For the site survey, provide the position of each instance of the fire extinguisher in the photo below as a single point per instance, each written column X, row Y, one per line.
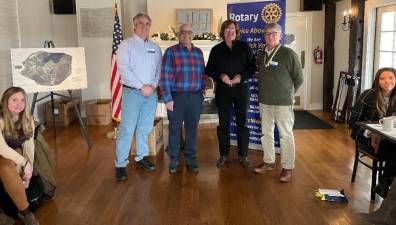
column 318, row 55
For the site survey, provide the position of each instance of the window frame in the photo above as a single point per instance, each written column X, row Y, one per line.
column 192, row 11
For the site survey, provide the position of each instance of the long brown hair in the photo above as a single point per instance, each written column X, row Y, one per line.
column 24, row 121
column 380, row 103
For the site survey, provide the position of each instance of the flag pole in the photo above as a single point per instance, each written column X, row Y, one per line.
column 115, row 77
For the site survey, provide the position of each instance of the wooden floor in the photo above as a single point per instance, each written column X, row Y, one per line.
column 88, row 193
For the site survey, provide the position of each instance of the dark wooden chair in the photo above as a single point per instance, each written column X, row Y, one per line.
column 377, row 165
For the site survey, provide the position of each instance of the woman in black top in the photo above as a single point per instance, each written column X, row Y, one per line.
column 231, row 63
column 372, row 105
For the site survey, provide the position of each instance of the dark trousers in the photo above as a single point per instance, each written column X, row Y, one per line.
column 386, row 150
column 226, row 98
column 187, row 107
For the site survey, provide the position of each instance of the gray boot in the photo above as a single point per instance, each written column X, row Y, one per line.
column 386, row 214
column 6, row 220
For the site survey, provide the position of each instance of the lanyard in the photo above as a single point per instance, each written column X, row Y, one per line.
column 266, row 64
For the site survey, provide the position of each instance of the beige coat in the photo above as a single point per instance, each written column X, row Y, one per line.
column 9, row 153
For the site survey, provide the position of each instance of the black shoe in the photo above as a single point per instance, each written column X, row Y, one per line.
column 146, row 164
column 192, row 165
column 121, row 174
column 222, row 161
column 245, row 161
column 173, row 167
column 381, row 189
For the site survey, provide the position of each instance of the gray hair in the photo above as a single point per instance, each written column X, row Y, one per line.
column 183, row 25
column 135, row 18
column 273, row 26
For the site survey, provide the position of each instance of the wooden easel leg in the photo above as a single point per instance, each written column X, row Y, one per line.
column 83, row 129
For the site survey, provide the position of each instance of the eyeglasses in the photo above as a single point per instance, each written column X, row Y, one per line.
column 229, row 29
column 273, row 34
column 185, row 32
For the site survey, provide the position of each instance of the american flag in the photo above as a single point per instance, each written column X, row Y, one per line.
column 115, row 84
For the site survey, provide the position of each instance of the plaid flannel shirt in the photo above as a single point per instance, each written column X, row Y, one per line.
column 364, row 110
column 182, row 71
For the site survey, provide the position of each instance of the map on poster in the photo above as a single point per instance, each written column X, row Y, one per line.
column 48, row 69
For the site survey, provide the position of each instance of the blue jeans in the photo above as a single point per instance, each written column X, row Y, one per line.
column 137, row 112
column 187, row 107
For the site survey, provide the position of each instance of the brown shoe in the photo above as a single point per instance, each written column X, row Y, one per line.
column 286, row 175
column 263, row 167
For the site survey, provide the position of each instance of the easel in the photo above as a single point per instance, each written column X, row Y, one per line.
column 350, row 83
column 336, row 111
column 50, row 44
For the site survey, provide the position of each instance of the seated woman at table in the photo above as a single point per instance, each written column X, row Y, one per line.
column 372, row 105
column 16, row 150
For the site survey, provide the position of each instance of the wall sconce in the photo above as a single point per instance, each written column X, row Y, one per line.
column 346, row 25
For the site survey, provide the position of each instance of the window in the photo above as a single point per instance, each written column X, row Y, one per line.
column 385, row 38
column 200, row 19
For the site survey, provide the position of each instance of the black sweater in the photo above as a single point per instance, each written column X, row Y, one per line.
column 237, row 60
column 364, row 111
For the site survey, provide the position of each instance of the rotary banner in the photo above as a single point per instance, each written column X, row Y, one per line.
column 252, row 17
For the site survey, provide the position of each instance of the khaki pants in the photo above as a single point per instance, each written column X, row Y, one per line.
column 12, row 183
column 283, row 117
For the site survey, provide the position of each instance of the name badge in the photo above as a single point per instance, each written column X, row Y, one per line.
column 150, row 50
column 273, row 63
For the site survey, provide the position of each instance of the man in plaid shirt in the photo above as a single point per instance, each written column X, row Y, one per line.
column 182, row 84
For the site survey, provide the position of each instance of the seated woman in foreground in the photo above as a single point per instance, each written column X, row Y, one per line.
column 372, row 105
column 16, row 151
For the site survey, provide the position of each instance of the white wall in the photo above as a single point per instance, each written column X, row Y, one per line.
column 97, row 55
column 28, row 23
column 341, row 42
column 130, row 9
column 37, row 24
column 8, row 39
column 316, row 94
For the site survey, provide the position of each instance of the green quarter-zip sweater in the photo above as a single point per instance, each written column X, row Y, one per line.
column 279, row 78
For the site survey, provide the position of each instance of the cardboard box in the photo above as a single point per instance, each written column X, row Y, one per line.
column 64, row 112
column 155, row 139
column 98, row 112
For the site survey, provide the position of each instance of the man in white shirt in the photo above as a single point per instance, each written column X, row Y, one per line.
column 139, row 64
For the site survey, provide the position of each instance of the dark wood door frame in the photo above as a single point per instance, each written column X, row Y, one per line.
column 328, row 63
column 355, row 50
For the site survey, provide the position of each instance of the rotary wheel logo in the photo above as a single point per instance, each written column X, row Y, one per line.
column 271, row 13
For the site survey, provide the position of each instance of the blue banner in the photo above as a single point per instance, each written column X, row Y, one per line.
column 252, row 17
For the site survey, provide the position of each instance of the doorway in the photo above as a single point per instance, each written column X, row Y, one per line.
column 296, row 36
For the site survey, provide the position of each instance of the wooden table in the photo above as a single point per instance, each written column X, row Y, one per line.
column 377, row 128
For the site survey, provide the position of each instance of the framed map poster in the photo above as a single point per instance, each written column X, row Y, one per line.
column 48, row 69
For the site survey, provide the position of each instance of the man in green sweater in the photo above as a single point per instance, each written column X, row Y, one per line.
column 280, row 77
